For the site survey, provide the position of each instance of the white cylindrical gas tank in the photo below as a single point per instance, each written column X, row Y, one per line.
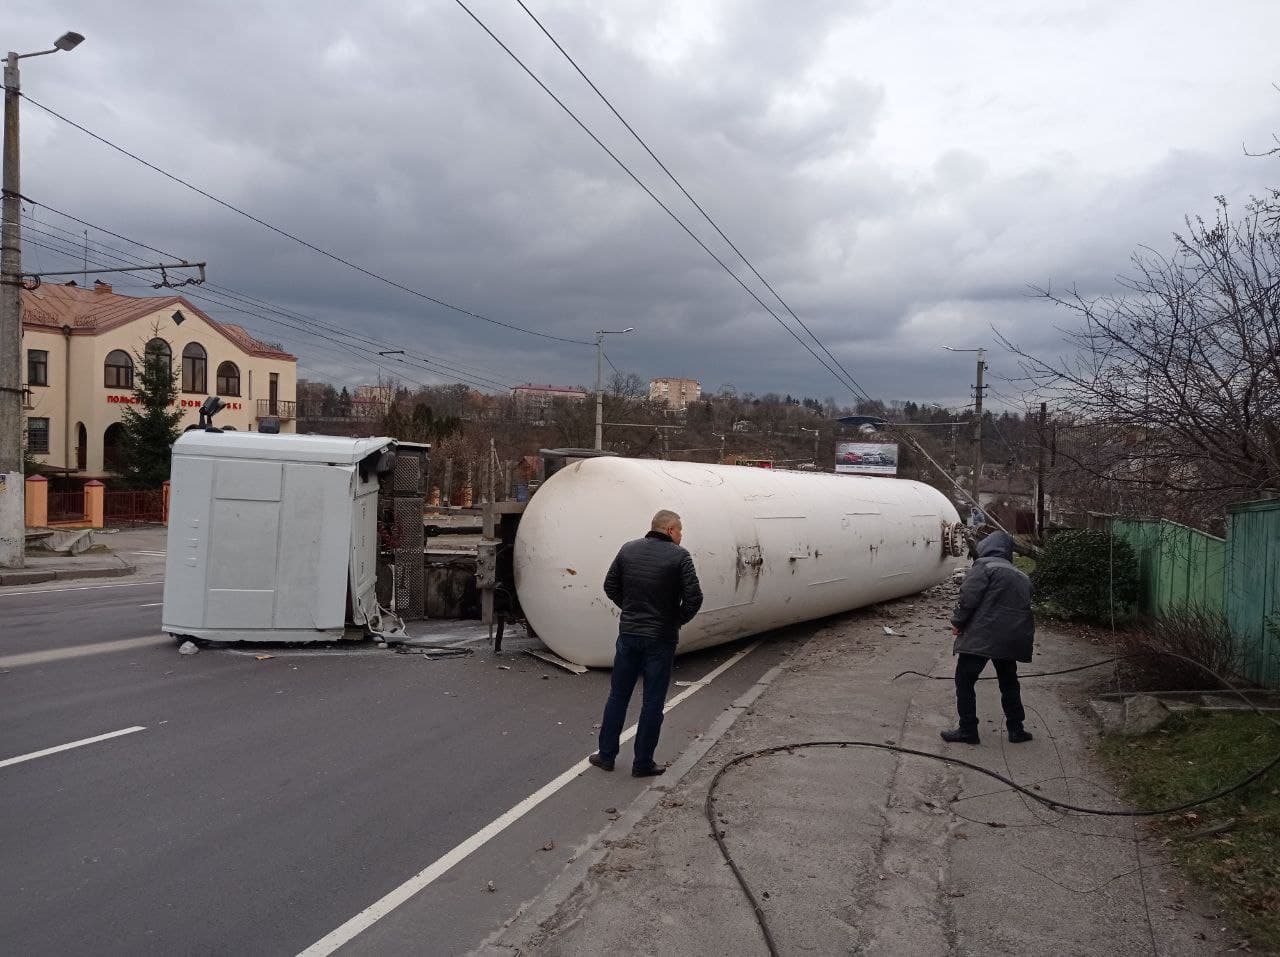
column 771, row 548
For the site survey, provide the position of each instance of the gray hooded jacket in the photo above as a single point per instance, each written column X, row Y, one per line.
column 994, row 610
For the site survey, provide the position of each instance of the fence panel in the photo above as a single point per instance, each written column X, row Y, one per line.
column 1253, row 587
column 1177, row 566
column 66, row 506
column 133, row 508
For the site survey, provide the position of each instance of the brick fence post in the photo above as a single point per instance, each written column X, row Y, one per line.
column 94, row 503
column 37, row 502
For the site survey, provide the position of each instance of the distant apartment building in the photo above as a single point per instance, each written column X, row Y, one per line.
column 534, row 400
column 674, row 393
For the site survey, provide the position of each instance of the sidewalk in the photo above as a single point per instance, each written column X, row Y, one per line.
column 867, row 852
column 116, row 554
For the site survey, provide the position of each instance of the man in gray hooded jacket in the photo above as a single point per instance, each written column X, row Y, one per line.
column 992, row 622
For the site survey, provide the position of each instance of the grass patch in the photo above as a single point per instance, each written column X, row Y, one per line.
column 1024, row 563
column 1197, row 753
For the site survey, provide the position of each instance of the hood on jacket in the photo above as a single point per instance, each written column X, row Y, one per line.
column 996, row 545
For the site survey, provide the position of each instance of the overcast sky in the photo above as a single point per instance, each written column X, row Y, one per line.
column 900, row 172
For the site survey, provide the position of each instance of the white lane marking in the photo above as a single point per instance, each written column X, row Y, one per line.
column 433, row 872
column 152, row 604
column 152, row 554
column 67, row 747
column 45, row 591
column 80, row 651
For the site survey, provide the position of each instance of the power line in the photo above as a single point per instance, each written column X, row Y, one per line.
column 297, row 239
column 848, row 382
column 475, row 378
column 698, row 206
column 347, row 348
column 843, row 376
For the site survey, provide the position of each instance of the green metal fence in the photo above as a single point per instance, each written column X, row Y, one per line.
column 1252, row 593
column 1178, row 567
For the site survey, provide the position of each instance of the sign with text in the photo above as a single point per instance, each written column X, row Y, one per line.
column 130, row 399
column 867, row 458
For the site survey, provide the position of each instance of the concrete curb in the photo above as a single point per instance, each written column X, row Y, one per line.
column 531, row 915
column 35, row 576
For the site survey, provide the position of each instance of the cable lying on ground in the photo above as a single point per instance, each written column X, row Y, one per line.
column 718, row 834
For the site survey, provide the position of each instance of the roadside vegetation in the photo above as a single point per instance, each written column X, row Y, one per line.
column 1230, row 846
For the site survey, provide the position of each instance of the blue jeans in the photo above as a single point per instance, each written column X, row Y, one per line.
column 637, row 655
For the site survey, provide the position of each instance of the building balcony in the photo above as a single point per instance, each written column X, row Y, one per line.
column 277, row 409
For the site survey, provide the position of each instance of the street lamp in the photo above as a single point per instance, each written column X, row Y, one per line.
column 12, row 512
column 816, row 433
column 600, row 334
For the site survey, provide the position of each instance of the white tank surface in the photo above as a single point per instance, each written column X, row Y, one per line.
column 772, row 548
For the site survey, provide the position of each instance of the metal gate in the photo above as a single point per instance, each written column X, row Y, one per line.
column 66, row 506
column 133, row 508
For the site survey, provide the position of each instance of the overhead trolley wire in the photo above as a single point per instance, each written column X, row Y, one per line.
column 298, row 239
column 431, row 363
column 841, row 374
column 698, row 206
column 652, row 195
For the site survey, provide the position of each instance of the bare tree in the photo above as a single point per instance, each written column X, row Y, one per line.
column 1174, row 383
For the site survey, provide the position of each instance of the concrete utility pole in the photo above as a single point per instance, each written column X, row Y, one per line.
column 979, row 389
column 1044, row 415
column 600, row 334
column 12, row 510
column 816, row 434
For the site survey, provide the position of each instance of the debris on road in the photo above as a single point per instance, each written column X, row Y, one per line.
column 491, row 887
column 188, row 648
column 549, row 846
column 263, row 657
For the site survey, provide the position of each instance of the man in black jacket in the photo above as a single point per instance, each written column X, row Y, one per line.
column 992, row 622
column 654, row 583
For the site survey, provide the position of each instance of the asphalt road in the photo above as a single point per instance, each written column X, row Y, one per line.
column 269, row 801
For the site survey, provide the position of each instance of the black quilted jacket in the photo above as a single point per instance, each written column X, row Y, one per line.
column 654, row 583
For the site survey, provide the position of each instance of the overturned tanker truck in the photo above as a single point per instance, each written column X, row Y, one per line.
column 772, row 548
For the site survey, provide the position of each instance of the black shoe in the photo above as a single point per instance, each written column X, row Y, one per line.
column 600, row 762
column 1019, row 735
column 960, row 736
column 650, row 772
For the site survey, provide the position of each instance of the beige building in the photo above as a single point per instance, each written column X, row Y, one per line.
column 674, row 393
column 538, row 398
column 81, row 348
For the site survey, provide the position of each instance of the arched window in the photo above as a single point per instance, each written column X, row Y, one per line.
column 158, row 351
column 111, row 450
column 228, row 379
column 118, row 370
column 195, row 369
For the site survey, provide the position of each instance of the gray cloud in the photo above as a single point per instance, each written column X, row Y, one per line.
column 901, row 180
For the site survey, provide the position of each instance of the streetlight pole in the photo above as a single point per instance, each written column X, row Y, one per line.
column 12, row 510
column 816, row 434
column 979, row 389
column 600, row 334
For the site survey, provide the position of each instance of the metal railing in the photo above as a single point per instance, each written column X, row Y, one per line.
column 277, row 408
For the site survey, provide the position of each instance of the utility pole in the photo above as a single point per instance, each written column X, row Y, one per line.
column 600, row 334
column 1044, row 415
column 979, row 388
column 816, row 434
column 599, row 391
column 13, row 536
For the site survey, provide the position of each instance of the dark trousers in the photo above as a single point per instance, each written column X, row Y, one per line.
column 636, row 656
column 968, row 668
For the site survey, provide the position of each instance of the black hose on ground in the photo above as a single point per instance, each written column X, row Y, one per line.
column 762, row 920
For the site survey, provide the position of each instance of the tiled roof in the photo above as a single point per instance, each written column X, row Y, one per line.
column 530, row 387
column 95, row 311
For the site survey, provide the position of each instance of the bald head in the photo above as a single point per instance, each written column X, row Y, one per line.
column 668, row 523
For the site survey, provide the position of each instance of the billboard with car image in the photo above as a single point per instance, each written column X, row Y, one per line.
column 867, row 458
